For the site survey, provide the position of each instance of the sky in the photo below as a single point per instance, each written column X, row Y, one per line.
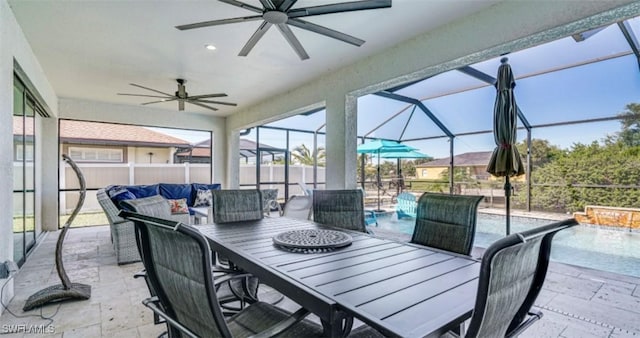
column 581, row 92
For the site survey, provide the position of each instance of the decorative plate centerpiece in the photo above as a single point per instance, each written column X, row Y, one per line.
column 312, row 240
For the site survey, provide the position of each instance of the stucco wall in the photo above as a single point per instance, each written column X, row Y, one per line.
column 13, row 46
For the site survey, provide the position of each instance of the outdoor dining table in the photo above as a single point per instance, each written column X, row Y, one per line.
column 399, row 288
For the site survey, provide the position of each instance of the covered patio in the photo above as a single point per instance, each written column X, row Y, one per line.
column 576, row 302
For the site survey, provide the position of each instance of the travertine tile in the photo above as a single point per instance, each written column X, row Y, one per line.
column 576, row 302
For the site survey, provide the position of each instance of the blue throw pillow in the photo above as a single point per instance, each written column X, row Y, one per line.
column 173, row 191
column 141, row 191
column 119, row 193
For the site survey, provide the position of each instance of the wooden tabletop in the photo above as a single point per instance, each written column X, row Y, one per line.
column 399, row 288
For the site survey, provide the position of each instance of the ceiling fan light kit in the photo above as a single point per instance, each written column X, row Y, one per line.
column 281, row 14
column 182, row 96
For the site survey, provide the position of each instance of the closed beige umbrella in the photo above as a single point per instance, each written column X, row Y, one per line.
column 505, row 160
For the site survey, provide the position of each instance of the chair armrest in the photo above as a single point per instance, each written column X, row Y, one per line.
column 533, row 317
column 153, row 304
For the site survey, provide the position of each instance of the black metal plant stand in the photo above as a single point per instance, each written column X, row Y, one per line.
column 67, row 290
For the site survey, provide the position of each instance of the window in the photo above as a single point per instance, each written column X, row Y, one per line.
column 424, row 172
column 24, row 152
column 87, row 154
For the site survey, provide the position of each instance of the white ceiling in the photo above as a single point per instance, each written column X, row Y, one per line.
column 91, row 50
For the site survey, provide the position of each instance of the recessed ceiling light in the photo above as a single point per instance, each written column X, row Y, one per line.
column 210, row 47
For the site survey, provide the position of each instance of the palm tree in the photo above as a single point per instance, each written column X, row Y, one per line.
column 302, row 155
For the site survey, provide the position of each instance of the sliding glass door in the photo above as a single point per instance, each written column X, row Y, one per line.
column 24, row 220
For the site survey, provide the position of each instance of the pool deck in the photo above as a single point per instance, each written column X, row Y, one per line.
column 576, row 302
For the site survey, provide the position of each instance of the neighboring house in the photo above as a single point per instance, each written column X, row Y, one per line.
column 475, row 163
column 93, row 142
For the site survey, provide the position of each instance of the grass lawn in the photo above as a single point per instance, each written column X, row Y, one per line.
column 81, row 220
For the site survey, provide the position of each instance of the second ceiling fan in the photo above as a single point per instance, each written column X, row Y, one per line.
column 182, row 96
column 281, row 14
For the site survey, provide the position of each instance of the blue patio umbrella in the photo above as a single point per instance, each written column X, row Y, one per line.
column 379, row 147
column 505, row 160
column 404, row 154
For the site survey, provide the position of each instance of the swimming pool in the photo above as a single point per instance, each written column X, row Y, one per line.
column 592, row 247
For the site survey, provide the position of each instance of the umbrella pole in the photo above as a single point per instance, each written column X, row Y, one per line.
column 507, row 196
column 378, row 180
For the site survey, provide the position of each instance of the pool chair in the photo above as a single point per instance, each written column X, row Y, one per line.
column 406, row 205
column 370, row 218
column 446, row 222
column 270, row 201
column 298, row 207
column 339, row 208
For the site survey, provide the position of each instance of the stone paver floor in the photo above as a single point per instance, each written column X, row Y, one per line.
column 576, row 302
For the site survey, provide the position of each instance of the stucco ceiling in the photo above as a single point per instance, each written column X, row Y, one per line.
column 91, row 50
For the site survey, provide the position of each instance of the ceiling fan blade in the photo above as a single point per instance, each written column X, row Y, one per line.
column 242, row 5
column 339, row 8
column 203, row 105
column 326, row 31
column 216, row 102
column 268, row 4
column 264, row 27
column 286, row 5
column 180, row 105
column 142, row 95
column 153, row 90
column 146, row 103
column 293, row 41
column 197, row 97
column 218, row 22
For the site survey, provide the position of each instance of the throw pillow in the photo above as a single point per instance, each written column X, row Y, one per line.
column 119, row 193
column 203, row 198
column 179, row 206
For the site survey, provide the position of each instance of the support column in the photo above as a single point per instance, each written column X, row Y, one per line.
column 229, row 160
column 341, row 141
column 50, row 164
column 219, row 158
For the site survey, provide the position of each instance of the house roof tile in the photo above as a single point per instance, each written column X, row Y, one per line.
column 461, row 160
column 89, row 132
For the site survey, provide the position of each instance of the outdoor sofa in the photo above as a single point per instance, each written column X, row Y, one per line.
column 182, row 197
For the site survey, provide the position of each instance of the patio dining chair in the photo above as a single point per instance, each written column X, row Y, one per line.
column 235, row 291
column 186, row 290
column 446, row 222
column 339, row 208
column 298, row 207
column 236, row 205
column 512, row 273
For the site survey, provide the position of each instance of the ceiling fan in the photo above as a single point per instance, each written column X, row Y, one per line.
column 280, row 13
column 181, row 96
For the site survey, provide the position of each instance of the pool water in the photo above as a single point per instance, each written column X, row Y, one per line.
column 588, row 246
